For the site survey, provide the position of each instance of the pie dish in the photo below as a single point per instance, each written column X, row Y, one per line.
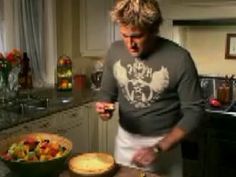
column 88, row 164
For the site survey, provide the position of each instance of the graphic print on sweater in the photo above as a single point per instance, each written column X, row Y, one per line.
column 139, row 83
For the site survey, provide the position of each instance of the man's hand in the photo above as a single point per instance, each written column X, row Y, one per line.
column 105, row 110
column 173, row 138
column 145, row 156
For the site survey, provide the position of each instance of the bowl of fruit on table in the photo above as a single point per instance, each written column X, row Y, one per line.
column 35, row 154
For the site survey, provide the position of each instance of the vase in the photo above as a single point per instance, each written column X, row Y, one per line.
column 9, row 84
column 2, row 88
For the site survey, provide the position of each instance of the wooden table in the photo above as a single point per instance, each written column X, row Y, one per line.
column 133, row 172
column 122, row 172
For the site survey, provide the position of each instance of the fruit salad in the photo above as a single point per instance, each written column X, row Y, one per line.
column 34, row 149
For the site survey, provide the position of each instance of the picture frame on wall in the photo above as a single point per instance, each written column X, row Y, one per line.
column 230, row 51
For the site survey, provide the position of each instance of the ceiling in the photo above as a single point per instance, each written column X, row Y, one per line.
column 199, row 2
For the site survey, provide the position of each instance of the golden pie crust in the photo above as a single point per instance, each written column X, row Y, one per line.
column 91, row 163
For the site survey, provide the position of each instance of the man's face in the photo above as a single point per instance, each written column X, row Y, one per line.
column 135, row 39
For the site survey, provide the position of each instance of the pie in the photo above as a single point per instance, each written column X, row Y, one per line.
column 91, row 163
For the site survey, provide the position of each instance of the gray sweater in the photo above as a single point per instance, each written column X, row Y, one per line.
column 155, row 93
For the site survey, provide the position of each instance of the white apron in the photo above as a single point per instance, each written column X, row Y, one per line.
column 169, row 163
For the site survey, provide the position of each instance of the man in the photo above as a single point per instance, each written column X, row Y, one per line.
column 156, row 84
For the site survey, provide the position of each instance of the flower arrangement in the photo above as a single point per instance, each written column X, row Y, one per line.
column 9, row 70
column 14, row 57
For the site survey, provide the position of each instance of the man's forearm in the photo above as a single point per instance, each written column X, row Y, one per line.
column 172, row 139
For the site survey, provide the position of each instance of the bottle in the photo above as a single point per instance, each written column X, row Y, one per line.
column 29, row 79
column 25, row 75
column 64, row 73
column 23, row 71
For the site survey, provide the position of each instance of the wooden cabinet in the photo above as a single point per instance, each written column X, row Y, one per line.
column 95, row 27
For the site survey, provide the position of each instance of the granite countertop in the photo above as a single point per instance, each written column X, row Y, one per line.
column 62, row 100
column 57, row 101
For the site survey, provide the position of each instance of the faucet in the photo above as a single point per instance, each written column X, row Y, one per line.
column 234, row 90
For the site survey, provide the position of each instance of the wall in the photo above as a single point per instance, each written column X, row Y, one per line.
column 68, row 30
column 206, row 44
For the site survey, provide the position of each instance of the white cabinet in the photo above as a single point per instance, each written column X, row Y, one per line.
column 166, row 29
column 95, row 27
column 198, row 9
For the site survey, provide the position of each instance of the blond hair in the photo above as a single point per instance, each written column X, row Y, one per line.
column 144, row 14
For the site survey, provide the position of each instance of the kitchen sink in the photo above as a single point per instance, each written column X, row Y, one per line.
column 227, row 109
column 26, row 105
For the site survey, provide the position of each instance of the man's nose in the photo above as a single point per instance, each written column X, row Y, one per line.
column 131, row 42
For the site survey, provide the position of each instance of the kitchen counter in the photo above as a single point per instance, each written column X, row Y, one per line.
column 57, row 101
column 62, row 100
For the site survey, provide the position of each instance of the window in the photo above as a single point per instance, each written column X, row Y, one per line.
column 1, row 27
column 30, row 26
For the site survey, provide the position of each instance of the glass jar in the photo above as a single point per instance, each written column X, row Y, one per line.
column 224, row 94
column 96, row 75
column 64, row 73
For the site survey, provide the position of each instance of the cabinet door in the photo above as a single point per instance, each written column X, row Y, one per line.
column 74, row 125
column 115, row 32
column 93, row 127
column 107, row 132
column 193, row 152
column 166, row 29
column 112, row 127
column 95, row 27
column 40, row 125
